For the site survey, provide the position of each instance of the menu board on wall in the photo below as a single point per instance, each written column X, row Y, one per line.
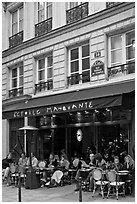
column 97, row 68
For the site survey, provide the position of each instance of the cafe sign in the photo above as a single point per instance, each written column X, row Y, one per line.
column 97, row 68
column 53, row 109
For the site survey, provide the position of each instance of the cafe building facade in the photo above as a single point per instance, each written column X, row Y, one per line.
column 72, row 72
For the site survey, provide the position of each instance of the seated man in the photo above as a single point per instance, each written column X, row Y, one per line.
column 6, row 168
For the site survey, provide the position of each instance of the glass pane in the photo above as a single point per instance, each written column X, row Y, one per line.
column 73, row 4
column 49, row 10
column 41, row 5
column 21, row 25
column 41, row 75
column 41, row 16
column 130, row 53
column 41, row 64
column 14, row 17
column 14, row 28
column 130, row 37
column 116, row 56
column 20, row 70
column 14, row 83
column 20, row 13
column 74, row 54
column 74, row 66
column 116, row 42
column 85, row 51
column 14, row 73
column 85, row 64
column 21, row 81
column 50, row 61
column 49, row 73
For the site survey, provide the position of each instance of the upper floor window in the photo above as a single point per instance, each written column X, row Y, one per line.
column 73, row 4
column 76, row 11
column 44, row 24
column 17, row 21
column 44, row 11
column 16, row 27
column 122, row 50
column 44, row 73
column 79, row 65
column 16, row 81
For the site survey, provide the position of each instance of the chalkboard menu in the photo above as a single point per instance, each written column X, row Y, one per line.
column 97, row 68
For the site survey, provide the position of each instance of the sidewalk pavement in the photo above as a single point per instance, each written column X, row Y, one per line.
column 57, row 194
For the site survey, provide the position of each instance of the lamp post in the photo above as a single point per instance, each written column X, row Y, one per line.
column 30, row 170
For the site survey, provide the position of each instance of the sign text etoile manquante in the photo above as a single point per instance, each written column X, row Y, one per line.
column 54, row 109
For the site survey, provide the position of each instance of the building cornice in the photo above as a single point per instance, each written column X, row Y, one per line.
column 106, row 13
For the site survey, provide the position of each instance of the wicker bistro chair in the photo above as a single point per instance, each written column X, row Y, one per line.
column 115, row 184
column 14, row 174
column 22, row 171
column 98, row 179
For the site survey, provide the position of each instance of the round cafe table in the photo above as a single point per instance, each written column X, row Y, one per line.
column 123, row 174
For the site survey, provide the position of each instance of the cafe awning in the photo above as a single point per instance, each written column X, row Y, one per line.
column 91, row 98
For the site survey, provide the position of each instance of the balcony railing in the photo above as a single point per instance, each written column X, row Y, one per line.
column 43, row 27
column 77, row 13
column 15, row 92
column 78, row 78
column 111, row 4
column 123, row 69
column 43, row 86
column 16, row 39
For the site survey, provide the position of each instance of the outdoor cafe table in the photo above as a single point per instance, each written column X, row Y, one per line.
column 123, row 174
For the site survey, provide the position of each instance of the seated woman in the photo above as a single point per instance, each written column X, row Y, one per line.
column 61, row 169
column 116, row 165
column 129, row 165
column 6, row 168
column 52, row 163
column 22, row 163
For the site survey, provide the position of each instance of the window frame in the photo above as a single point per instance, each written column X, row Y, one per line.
column 73, row 4
column 46, row 79
column 47, row 5
column 123, row 49
column 18, row 77
column 80, row 58
column 18, row 20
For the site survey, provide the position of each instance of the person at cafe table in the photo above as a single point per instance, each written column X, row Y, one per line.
column 116, row 165
column 60, row 170
column 52, row 163
column 34, row 161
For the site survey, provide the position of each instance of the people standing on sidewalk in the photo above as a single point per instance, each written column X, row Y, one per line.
column 6, row 168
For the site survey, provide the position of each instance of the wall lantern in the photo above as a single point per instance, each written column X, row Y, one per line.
column 79, row 135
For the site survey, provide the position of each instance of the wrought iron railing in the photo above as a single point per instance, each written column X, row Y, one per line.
column 15, row 92
column 123, row 69
column 78, row 78
column 16, row 39
column 43, row 86
column 43, row 27
column 111, row 4
column 77, row 13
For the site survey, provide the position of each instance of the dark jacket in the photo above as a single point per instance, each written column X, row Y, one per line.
column 6, row 162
